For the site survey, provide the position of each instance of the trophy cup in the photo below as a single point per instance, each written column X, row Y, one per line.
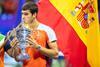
column 21, row 34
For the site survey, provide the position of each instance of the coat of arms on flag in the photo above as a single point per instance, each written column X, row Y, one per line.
column 82, row 17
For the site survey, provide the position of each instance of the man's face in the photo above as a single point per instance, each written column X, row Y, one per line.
column 27, row 17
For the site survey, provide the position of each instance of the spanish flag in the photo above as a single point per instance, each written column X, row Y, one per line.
column 76, row 25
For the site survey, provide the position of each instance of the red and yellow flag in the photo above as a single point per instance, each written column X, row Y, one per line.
column 76, row 25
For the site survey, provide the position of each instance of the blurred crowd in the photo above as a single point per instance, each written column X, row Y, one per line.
column 8, row 6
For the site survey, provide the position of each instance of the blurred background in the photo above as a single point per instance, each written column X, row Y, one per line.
column 10, row 14
column 10, row 17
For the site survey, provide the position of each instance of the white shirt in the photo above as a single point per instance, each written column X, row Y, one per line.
column 50, row 33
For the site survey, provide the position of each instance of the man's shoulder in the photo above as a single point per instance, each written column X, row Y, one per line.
column 44, row 27
column 49, row 31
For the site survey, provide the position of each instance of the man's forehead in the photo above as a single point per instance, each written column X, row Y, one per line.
column 25, row 11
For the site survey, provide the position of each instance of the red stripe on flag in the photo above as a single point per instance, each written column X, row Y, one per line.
column 69, row 42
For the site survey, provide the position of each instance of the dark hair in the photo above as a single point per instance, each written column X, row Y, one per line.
column 30, row 6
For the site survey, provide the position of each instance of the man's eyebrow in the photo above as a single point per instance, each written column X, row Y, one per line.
column 24, row 13
column 53, row 41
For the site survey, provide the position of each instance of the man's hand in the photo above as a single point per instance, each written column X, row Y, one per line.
column 31, row 41
column 14, row 51
column 14, row 42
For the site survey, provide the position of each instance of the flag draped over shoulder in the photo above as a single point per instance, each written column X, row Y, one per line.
column 76, row 25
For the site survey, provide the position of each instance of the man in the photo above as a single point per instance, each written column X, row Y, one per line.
column 41, row 37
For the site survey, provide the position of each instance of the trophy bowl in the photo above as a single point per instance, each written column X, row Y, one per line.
column 21, row 34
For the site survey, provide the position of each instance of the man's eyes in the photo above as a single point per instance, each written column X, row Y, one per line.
column 24, row 13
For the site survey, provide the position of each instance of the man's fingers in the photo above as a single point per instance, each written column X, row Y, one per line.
column 14, row 42
column 8, row 35
column 29, row 41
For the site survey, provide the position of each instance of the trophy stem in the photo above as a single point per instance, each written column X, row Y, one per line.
column 23, row 50
column 23, row 55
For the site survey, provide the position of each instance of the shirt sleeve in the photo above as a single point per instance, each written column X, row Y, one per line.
column 49, row 31
column 51, row 34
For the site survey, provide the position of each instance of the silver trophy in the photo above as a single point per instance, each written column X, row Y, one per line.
column 21, row 34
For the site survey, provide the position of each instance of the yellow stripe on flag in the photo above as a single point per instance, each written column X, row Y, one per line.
column 93, row 39
column 65, row 10
column 90, row 36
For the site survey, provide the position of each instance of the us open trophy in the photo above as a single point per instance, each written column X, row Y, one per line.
column 21, row 34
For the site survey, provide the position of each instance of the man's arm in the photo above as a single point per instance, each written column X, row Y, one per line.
column 11, row 48
column 52, row 52
column 10, row 44
column 13, row 52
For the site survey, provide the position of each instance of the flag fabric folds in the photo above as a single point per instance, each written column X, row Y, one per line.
column 76, row 25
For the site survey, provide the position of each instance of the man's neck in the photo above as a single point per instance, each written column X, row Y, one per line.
column 33, row 25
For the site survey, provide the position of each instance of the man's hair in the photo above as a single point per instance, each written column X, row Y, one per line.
column 30, row 6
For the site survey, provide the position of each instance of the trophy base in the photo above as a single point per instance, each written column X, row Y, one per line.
column 23, row 56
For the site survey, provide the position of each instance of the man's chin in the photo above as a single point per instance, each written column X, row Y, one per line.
column 26, row 22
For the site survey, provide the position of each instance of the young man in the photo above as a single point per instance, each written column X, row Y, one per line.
column 41, row 37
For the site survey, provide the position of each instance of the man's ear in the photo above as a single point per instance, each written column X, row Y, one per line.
column 34, row 15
